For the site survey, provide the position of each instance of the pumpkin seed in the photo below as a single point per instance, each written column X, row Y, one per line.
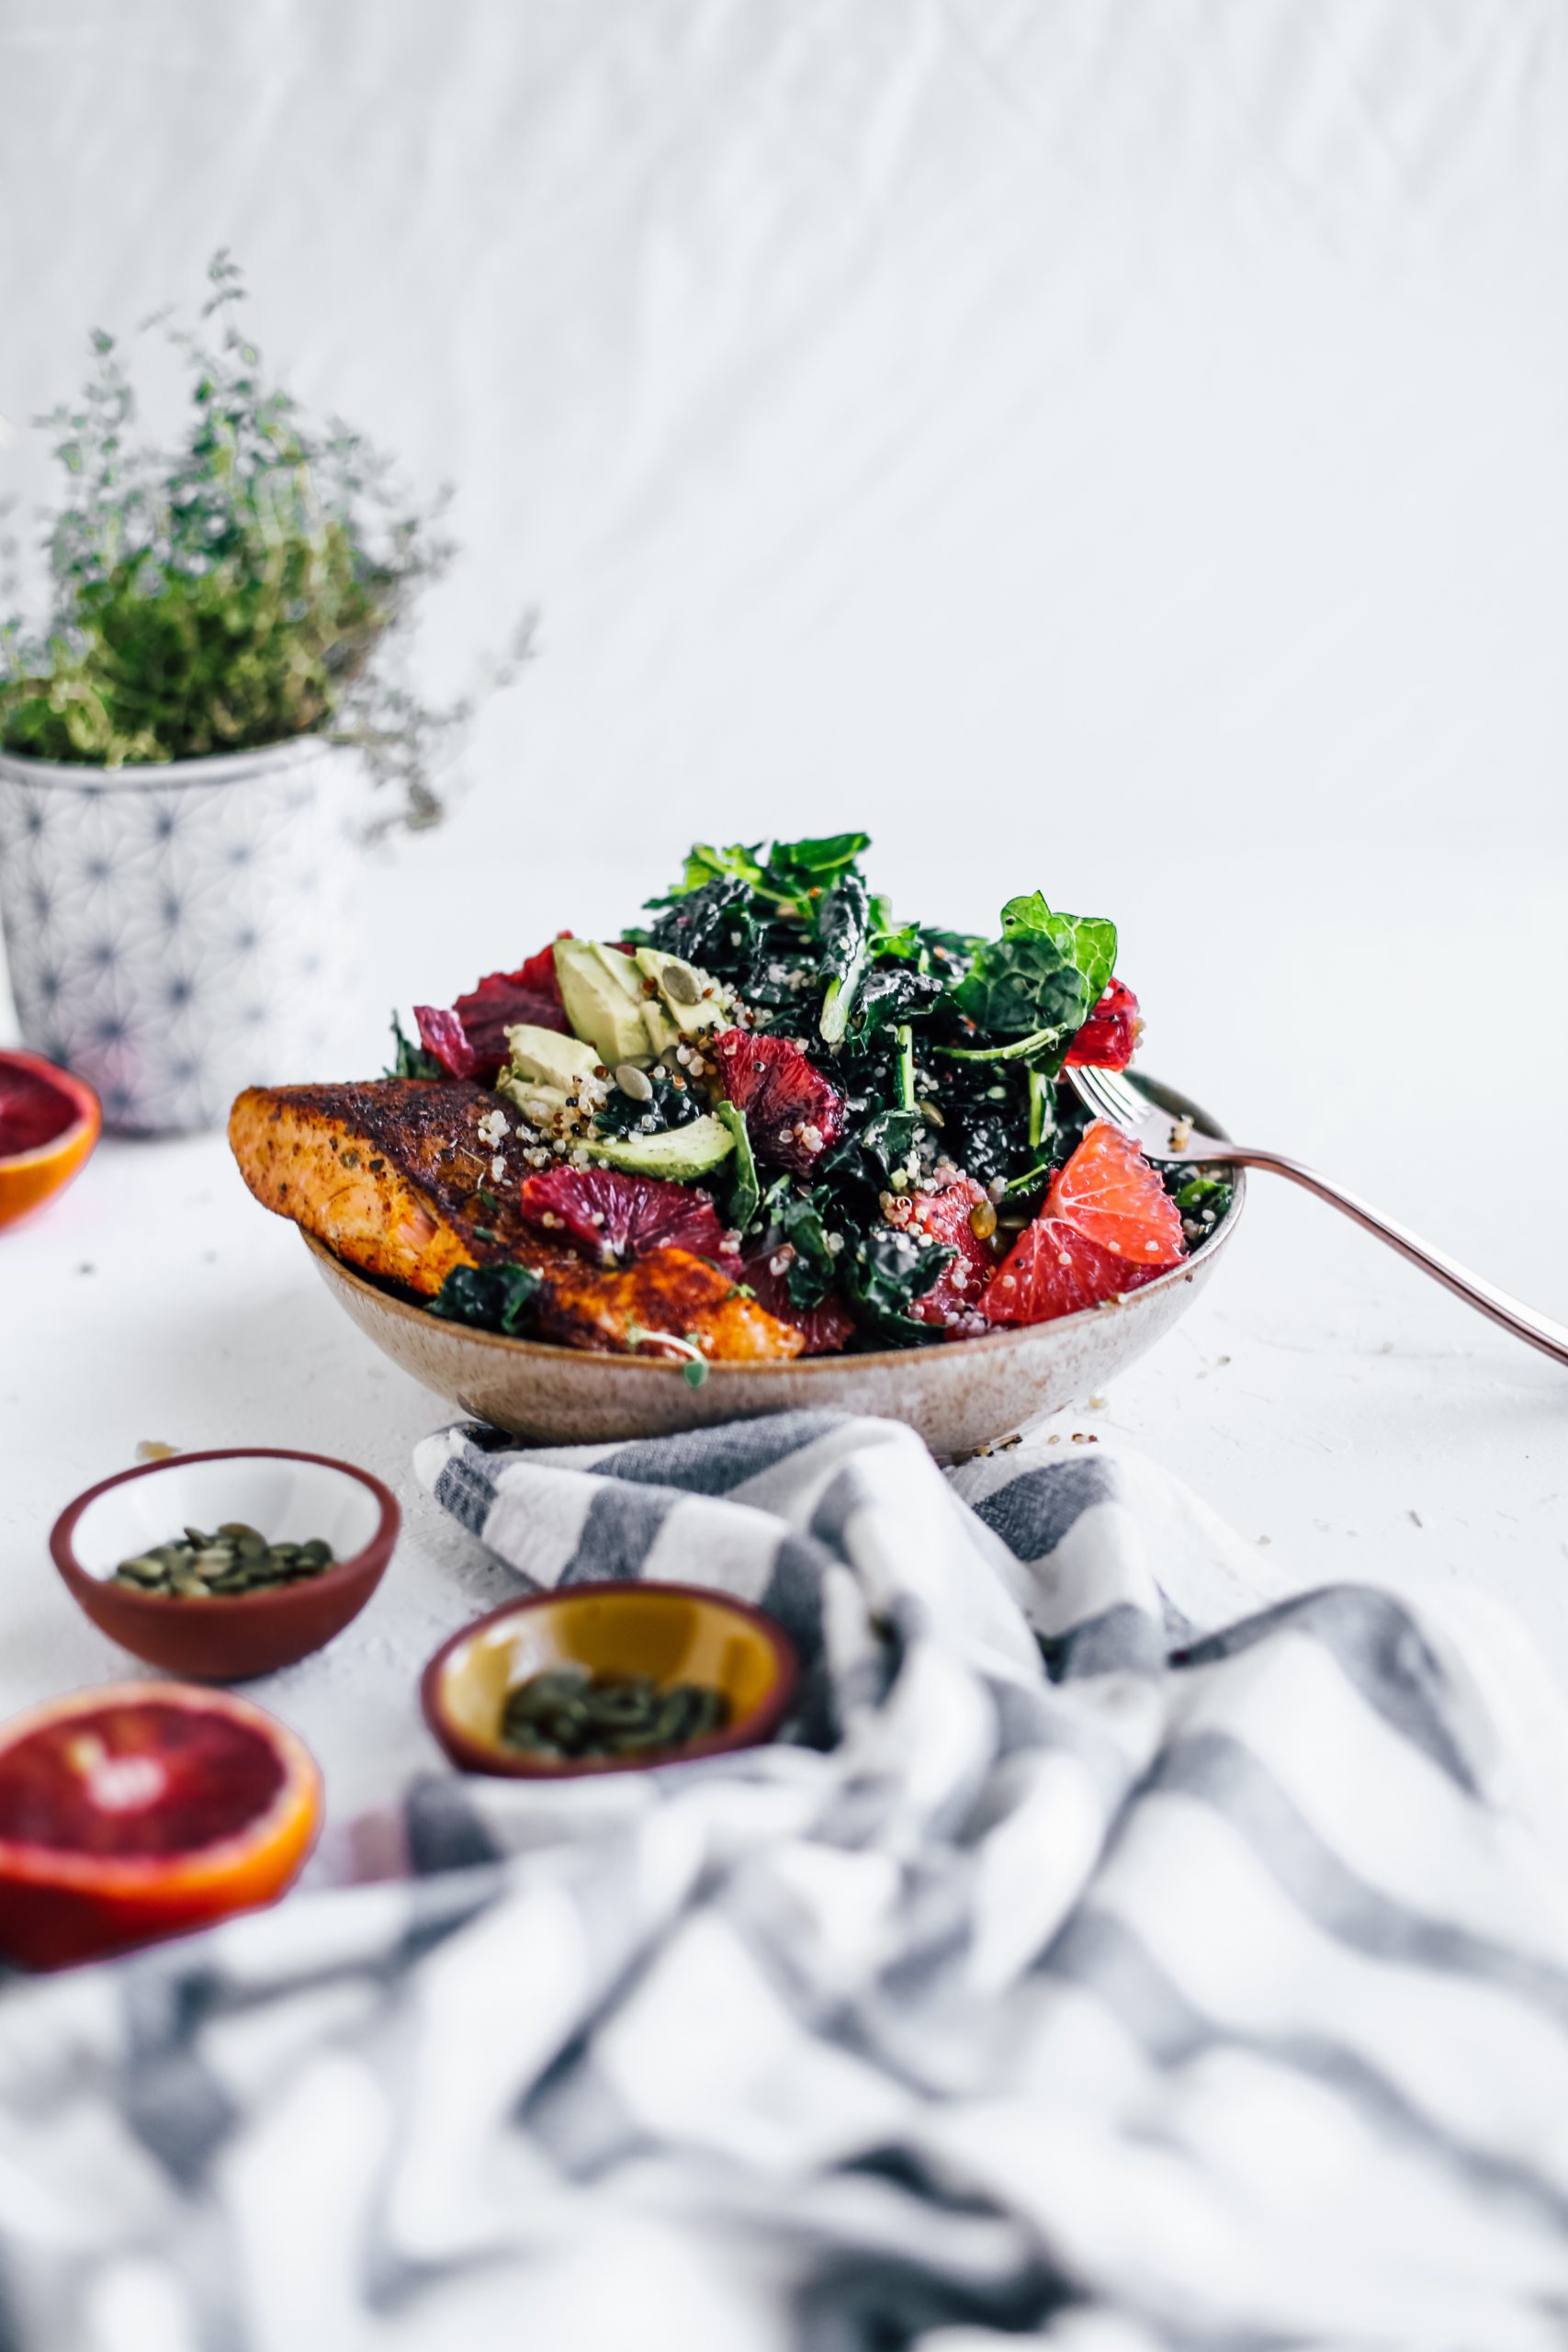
column 566, row 1712
column 238, row 1558
column 680, row 984
column 143, row 1569
column 634, row 1081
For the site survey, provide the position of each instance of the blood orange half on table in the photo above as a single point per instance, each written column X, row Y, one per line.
column 141, row 1810
column 49, row 1123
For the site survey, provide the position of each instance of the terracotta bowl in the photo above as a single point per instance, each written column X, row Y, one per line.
column 288, row 1497
column 960, row 1395
column 676, row 1633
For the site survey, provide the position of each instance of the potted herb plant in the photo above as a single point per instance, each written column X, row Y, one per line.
column 183, row 747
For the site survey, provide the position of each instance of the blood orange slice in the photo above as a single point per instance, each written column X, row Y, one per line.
column 1052, row 1269
column 469, row 1040
column 49, row 1123
column 142, row 1810
column 792, row 1112
column 1111, row 1194
column 828, row 1328
column 945, row 1214
column 616, row 1218
column 1108, row 1036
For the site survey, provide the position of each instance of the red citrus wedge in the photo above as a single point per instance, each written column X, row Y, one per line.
column 1108, row 1192
column 142, row 1810
column 616, row 1218
column 1108, row 1036
column 469, row 1040
column 1051, row 1270
column 792, row 1112
column 828, row 1328
column 49, row 1123
column 954, row 1296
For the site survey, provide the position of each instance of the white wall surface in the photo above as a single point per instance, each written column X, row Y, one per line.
column 1035, row 428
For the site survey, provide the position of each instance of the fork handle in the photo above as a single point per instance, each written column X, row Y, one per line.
column 1539, row 1330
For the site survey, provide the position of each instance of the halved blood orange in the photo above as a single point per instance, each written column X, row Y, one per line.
column 1051, row 1270
column 49, row 1123
column 1108, row 1192
column 142, row 1810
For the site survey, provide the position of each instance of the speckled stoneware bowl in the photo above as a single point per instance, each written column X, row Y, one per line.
column 959, row 1396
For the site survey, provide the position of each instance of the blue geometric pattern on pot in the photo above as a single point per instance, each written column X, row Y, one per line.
column 177, row 933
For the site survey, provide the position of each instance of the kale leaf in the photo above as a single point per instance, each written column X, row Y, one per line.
column 671, row 1106
column 1041, row 980
column 410, row 1060
column 496, row 1298
column 885, row 1272
column 842, row 922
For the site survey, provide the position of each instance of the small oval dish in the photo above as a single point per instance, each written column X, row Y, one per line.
column 285, row 1497
column 673, row 1633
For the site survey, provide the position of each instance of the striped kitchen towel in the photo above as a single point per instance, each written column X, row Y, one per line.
column 1106, row 1962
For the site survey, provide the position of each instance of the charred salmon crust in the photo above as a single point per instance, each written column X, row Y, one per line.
column 393, row 1176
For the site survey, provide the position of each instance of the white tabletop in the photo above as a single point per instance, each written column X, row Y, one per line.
column 1332, row 1404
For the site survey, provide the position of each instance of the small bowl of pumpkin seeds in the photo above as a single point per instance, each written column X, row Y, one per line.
column 226, row 1565
column 609, row 1678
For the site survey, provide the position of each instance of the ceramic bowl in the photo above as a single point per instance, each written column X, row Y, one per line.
column 960, row 1396
column 288, row 1497
column 676, row 1633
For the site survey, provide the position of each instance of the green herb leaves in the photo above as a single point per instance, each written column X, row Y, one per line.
column 230, row 593
column 495, row 1298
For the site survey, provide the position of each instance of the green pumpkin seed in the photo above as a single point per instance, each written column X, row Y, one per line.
column 318, row 1553
column 237, row 1527
column 143, row 1569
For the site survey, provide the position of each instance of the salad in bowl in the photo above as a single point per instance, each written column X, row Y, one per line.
column 767, row 1121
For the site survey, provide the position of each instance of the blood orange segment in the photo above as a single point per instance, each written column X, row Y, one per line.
column 1112, row 1195
column 141, row 1810
column 792, row 1112
column 953, row 1298
column 49, row 1123
column 1052, row 1269
column 1107, row 1038
column 827, row 1327
column 616, row 1218
column 469, row 1040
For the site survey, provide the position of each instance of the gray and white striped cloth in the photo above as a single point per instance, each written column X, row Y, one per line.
column 1106, row 1964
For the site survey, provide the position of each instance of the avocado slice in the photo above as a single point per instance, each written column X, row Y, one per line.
column 602, row 991
column 680, row 1155
column 683, row 1000
column 545, row 1054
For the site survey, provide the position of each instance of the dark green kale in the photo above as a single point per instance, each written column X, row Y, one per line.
column 495, row 1298
column 843, row 921
column 1036, row 984
column 883, row 1273
column 671, row 1106
column 1204, row 1195
column 745, row 1189
column 410, row 1060
column 709, row 926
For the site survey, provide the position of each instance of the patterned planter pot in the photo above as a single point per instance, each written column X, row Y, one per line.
column 177, row 933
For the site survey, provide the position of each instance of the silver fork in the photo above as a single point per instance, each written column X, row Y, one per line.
column 1165, row 1136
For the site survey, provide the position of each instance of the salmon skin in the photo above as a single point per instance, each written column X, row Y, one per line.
column 395, row 1177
